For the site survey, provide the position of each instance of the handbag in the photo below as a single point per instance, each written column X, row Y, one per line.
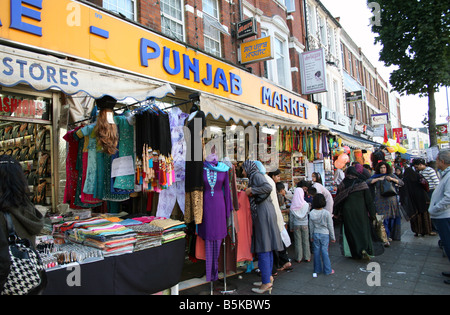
column 387, row 189
column 261, row 197
column 27, row 274
column 424, row 183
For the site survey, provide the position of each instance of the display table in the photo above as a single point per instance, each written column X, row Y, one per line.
column 143, row 272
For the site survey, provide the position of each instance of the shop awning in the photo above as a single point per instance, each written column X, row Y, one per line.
column 44, row 72
column 355, row 142
column 227, row 109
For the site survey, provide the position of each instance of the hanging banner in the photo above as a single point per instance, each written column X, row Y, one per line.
column 313, row 71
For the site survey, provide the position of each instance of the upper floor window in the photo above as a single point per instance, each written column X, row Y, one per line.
column 280, row 59
column 278, row 68
column 125, row 7
column 323, row 31
column 331, row 43
column 312, row 20
column 172, row 18
column 211, row 27
column 358, row 76
column 350, row 63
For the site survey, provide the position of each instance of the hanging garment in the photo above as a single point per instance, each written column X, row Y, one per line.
column 194, row 171
column 71, row 171
column 126, row 148
column 168, row 197
column 244, row 229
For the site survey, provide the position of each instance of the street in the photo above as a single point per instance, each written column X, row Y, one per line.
column 411, row 266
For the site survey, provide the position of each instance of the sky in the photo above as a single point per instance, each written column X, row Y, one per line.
column 354, row 18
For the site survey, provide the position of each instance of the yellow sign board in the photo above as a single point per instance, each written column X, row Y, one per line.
column 80, row 31
column 256, row 50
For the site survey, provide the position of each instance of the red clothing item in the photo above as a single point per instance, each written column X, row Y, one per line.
column 71, row 171
column 244, row 228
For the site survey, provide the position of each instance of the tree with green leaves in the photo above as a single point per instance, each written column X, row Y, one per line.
column 415, row 37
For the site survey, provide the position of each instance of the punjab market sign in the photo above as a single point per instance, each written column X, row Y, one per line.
column 77, row 30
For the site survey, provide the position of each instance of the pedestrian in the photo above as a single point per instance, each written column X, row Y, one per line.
column 298, row 223
column 281, row 260
column 317, row 188
column 354, row 207
column 430, row 175
column 339, row 176
column 316, row 178
column 281, row 195
column 275, row 175
column 386, row 206
column 399, row 172
column 368, row 168
column 322, row 232
column 415, row 200
column 440, row 204
column 14, row 199
column 266, row 234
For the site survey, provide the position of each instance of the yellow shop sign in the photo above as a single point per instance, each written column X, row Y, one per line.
column 256, row 50
column 77, row 30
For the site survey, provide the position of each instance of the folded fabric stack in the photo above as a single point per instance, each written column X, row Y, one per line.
column 147, row 236
column 111, row 237
column 172, row 229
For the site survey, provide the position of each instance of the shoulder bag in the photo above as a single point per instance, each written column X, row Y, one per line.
column 260, row 198
column 387, row 188
column 27, row 274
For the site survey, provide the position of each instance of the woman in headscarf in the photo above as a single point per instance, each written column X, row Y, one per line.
column 281, row 259
column 266, row 234
column 353, row 204
column 415, row 200
column 298, row 221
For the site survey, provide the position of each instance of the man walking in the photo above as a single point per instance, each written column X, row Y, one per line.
column 440, row 204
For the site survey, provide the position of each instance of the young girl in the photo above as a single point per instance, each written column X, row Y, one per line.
column 322, row 231
column 298, row 222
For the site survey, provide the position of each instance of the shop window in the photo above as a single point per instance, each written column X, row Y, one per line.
column 172, row 19
column 125, row 7
column 25, row 134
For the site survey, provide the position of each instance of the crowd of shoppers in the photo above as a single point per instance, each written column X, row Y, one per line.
column 369, row 205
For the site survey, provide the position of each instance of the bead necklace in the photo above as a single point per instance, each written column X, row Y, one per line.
column 212, row 179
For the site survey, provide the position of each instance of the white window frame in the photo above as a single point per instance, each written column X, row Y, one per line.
column 336, row 95
column 168, row 16
column 312, row 21
column 278, row 30
column 280, row 54
column 114, row 6
column 214, row 37
column 323, row 31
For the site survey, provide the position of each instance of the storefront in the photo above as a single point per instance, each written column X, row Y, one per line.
column 56, row 68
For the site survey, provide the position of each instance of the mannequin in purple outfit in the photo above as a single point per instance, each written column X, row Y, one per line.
column 217, row 206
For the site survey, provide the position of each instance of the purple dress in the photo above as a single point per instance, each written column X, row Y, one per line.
column 217, row 206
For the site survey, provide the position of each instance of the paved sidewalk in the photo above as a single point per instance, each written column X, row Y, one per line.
column 410, row 266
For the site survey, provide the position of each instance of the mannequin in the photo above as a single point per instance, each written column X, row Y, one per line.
column 106, row 129
column 217, row 206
